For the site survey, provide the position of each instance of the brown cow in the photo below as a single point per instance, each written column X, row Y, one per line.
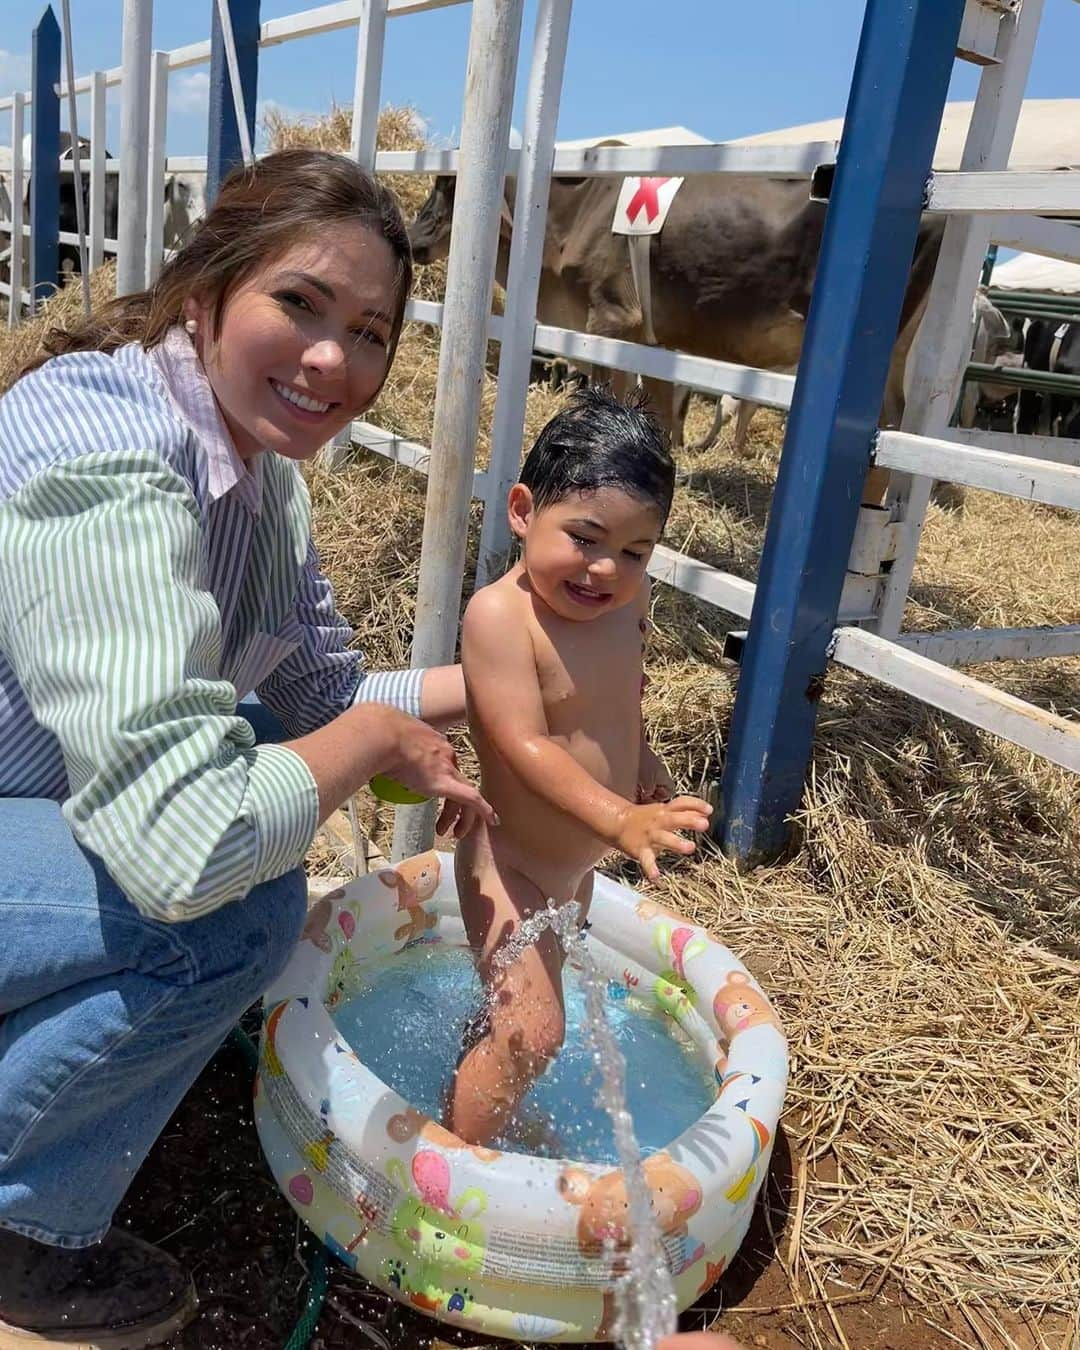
column 731, row 270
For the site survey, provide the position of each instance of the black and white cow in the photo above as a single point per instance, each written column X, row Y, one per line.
column 1055, row 347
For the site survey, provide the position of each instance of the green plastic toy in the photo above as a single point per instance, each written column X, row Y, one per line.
column 390, row 790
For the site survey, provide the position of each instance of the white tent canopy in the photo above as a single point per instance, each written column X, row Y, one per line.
column 658, row 136
column 1047, row 137
column 1029, row 272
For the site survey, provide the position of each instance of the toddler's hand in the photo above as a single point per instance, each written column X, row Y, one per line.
column 646, row 830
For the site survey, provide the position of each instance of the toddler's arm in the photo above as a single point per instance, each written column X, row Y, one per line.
column 505, row 701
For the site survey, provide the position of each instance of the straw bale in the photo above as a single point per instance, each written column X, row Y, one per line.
column 65, row 306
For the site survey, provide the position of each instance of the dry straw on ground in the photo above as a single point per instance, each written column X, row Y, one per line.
column 923, row 940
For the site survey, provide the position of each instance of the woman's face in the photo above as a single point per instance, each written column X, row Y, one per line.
column 304, row 342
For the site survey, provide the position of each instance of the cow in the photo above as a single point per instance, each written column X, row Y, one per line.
column 184, row 198
column 185, row 206
column 68, row 222
column 1055, row 347
column 6, row 211
column 731, row 271
column 994, row 341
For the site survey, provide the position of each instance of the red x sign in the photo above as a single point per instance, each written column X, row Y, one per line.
column 646, row 196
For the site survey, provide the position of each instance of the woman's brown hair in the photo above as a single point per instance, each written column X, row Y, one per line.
column 259, row 212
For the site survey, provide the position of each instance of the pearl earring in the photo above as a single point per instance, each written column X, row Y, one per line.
column 191, row 326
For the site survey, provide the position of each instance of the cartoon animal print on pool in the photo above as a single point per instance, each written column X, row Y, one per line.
column 760, row 1139
column 679, row 945
column 605, row 1205
column 604, row 1221
column 271, row 1064
column 415, row 880
column 412, row 1124
column 317, row 923
column 346, row 977
column 737, row 1005
column 441, row 1238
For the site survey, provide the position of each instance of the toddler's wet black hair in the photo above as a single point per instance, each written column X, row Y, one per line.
column 600, row 442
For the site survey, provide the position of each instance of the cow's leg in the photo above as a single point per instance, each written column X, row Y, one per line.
column 605, row 317
column 664, row 403
column 892, row 407
column 620, row 382
column 680, row 406
column 722, row 414
column 743, row 418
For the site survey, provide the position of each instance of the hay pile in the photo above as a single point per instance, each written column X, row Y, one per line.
column 923, row 941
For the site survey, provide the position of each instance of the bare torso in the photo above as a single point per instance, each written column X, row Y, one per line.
column 589, row 674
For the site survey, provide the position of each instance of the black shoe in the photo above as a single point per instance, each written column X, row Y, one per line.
column 120, row 1294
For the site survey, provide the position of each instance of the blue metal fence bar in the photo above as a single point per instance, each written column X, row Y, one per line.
column 224, row 147
column 894, row 109
column 45, row 159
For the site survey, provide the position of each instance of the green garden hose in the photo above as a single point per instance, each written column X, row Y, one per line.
column 317, row 1281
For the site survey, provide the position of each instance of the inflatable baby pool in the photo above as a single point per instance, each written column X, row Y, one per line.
column 506, row 1243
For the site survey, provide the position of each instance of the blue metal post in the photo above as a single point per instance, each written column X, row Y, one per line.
column 223, row 145
column 894, row 110
column 45, row 159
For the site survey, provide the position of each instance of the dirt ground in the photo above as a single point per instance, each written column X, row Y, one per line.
column 206, row 1195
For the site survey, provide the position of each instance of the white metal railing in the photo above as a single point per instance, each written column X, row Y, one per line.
column 1057, row 449
column 1053, row 193
column 1036, row 234
column 1011, row 475
column 980, row 704
column 784, row 161
column 777, row 161
column 971, row 646
column 307, row 23
column 700, row 373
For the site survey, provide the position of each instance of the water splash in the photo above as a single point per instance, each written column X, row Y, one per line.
column 645, row 1305
column 670, row 1084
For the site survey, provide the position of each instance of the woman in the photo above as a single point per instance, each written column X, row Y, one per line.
column 156, row 565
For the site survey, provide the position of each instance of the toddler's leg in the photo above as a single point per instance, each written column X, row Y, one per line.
column 521, row 1028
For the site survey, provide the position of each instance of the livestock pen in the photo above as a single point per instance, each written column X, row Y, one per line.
column 924, row 931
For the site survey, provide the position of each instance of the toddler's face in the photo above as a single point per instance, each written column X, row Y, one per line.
column 585, row 555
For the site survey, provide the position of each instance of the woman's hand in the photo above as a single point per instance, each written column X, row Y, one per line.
column 646, row 830
column 424, row 760
column 372, row 738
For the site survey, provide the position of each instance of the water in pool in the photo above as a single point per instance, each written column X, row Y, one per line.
column 406, row 1024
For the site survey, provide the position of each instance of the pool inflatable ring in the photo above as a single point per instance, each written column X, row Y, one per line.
column 507, row 1244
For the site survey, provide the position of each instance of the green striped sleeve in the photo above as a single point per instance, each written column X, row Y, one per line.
column 115, row 640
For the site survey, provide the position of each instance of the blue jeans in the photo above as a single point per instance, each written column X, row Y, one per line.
column 107, row 1017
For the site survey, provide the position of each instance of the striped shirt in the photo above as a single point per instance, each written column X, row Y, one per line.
column 149, row 579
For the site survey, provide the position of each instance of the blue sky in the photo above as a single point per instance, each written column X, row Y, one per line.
column 723, row 68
